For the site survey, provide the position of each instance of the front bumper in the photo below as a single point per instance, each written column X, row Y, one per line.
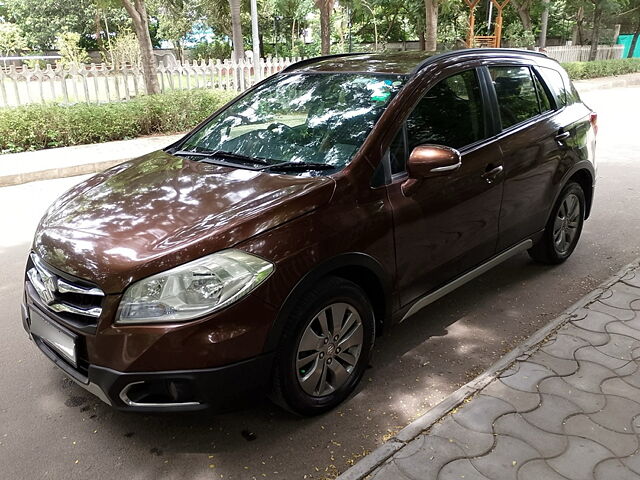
column 176, row 390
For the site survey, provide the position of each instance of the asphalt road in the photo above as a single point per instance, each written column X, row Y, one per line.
column 50, row 428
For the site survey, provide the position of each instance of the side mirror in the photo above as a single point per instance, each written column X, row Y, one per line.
column 428, row 161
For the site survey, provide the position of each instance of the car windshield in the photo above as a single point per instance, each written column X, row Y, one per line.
column 311, row 118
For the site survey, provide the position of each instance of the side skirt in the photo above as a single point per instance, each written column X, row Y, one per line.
column 467, row 277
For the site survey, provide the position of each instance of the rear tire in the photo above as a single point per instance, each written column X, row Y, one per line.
column 563, row 229
column 325, row 348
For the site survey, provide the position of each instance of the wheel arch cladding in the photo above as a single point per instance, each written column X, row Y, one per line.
column 359, row 268
column 584, row 178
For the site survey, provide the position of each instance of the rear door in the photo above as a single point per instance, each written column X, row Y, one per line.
column 450, row 223
column 532, row 143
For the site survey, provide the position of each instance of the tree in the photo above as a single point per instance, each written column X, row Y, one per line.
column 138, row 13
column 236, row 30
column 431, row 25
column 523, row 7
column 11, row 39
column 326, row 7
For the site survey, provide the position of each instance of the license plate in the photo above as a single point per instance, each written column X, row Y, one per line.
column 54, row 336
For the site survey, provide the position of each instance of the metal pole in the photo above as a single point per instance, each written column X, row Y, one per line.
column 255, row 40
column 489, row 17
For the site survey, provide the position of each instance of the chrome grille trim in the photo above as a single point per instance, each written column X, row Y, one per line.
column 48, row 284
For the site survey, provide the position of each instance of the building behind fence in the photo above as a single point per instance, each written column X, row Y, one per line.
column 98, row 83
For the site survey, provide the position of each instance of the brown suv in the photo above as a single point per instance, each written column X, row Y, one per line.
column 269, row 247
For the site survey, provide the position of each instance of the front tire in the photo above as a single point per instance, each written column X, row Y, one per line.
column 563, row 229
column 325, row 349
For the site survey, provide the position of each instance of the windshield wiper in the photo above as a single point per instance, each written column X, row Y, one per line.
column 299, row 166
column 222, row 154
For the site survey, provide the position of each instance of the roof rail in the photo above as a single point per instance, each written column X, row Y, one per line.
column 469, row 51
column 311, row 60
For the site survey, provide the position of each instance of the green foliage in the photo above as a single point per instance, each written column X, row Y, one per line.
column 11, row 39
column 216, row 49
column 70, row 51
column 35, row 127
column 601, row 68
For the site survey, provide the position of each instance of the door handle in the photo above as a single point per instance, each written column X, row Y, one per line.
column 490, row 175
column 562, row 136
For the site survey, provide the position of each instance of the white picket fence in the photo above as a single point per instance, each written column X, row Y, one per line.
column 580, row 53
column 97, row 83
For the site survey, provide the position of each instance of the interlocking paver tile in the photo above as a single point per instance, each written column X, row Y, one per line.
column 617, row 414
column 480, row 414
column 460, row 469
column 472, row 442
column 561, row 366
column 563, row 346
column 503, row 461
column 621, row 296
column 594, row 320
column 587, row 401
column 621, row 444
column 617, row 386
column 528, row 377
column 592, row 338
column 613, row 469
column 620, row 314
column 538, row 470
column 631, row 278
column 552, row 412
column 389, row 471
column 596, row 355
column 423, row 457
column 620, row 344
column 519, row 400
column 589, row 376
column 632, row 462
column 547, row 444
column 579, row 459
column 626, row 329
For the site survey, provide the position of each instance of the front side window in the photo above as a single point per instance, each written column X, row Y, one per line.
column 450, row 114
column 516, row 93
column 311, row 118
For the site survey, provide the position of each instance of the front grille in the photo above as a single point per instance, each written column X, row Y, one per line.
column 76, row 302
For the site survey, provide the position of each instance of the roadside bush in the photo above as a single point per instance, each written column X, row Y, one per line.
column 35, row 127
column 601, row 68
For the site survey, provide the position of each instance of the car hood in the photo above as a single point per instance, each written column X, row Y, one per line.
column 159, row 211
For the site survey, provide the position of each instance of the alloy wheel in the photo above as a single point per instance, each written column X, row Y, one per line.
column 567, row 222
column 329, row 349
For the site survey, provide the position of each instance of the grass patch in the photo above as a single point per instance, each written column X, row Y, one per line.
column 35, row 127
column 601, row 68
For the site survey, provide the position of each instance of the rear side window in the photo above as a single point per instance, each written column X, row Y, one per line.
column 553, row 79
column 451, row 113
column 543, row 96
column 516, row 93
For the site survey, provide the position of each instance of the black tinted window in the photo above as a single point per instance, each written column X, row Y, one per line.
column 449, row 114
column 543, row 96
column 516, row 94
column 553, row 79
column 397, row 154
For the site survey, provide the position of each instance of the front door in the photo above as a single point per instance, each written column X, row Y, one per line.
column 450, row 223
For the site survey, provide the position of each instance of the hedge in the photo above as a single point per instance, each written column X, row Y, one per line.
column 601, row 68
column 35, row 127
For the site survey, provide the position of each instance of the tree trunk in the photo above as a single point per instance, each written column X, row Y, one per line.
column 634, row 40
column 544, row 22
column 325, row 7
column 97, row 26
column 597, row 17
column 431, row 25
column 236, row 29
column 576, row 35
column 138, row 13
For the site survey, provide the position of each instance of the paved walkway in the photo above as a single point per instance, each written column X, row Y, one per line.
column 17, row 168
column 569, row 409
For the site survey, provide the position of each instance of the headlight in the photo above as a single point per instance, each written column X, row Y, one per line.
column 193, row 289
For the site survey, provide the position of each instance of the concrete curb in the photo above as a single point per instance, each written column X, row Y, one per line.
column 620, row 81
column 380, row 455
column 53, row 173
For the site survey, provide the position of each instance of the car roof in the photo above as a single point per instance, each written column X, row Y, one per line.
column 400, row 63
